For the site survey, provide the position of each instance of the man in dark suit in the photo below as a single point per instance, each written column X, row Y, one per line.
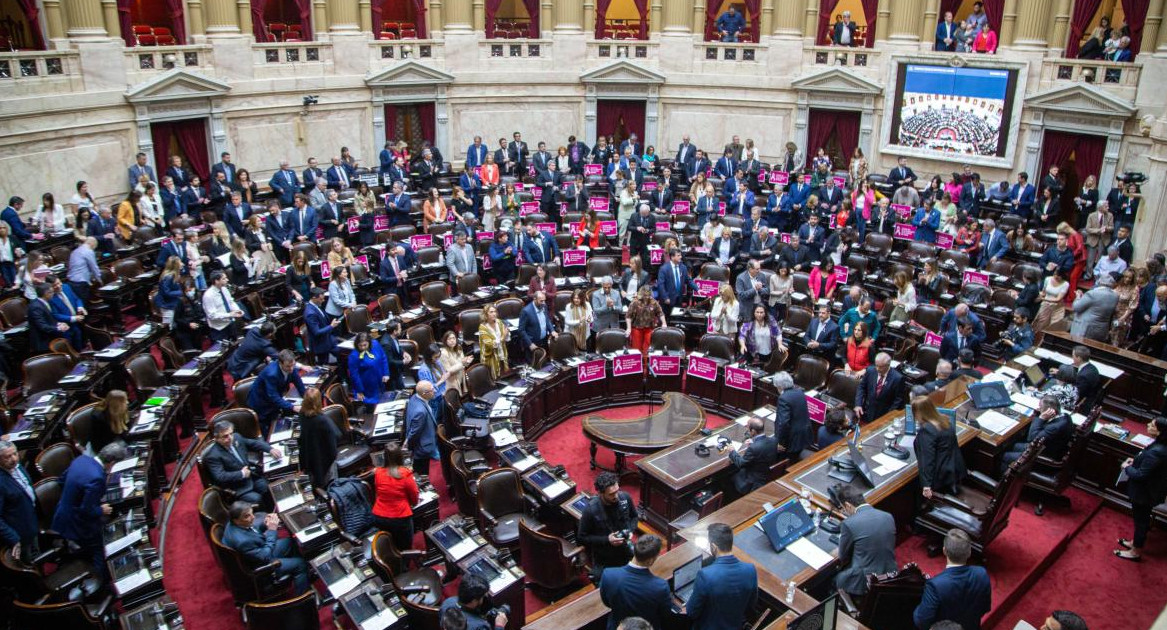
column 1023, row 195
column 139, row 168
column 304, row 220
column 312, row 174
column 539, row 248
column 963, row 337
column 795, row 255
column 661, row 199
column 475, row 155
column 812, row 235
column 867, row 541
column 421, row 427
column 725, row 166
column 266, row 397
column 672, row 280
column 822, row 335
column 880, row 390
column 577, row 155
column 632, row 142
column 762, row 244
column 540, row 158
column 830, row 197
column 633, row 591
column 1088, row 381
column 1051, row 423
column 427, row 171
column 339, row 177
column 1122, row 240
column 686, row 156
column 80, row 510
column 606, row 517
column 960, row 593
column 700, row 164
column 227, row 464
column 42, row 328
column 726, row 590
column 18, row 522
column 550, row 180
column 536, row 324
column 398, row 205
column 742, row 200
column 103, row 228
column 758, row 453
column 284, row 184
column 225, row 167
column 845, row 32
column 173, row 200
column 394, row 272
column 67, row 309
column 517, row 153
column 255, row 350
column 952, row 318
column 792, row 422
column 321, row 327
column 901, row 175
column 235, row 214
column 261, row 545
column 176, row 246
column 395, row 355
column 278, row 228
column 972, row 193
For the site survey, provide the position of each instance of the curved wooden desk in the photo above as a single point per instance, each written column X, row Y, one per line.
column 678, row 418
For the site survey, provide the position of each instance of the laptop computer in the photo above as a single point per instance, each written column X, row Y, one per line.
column 1035, row 375
column 989, row 395
column 684, row 578
column 821, row 617
column 786, row 523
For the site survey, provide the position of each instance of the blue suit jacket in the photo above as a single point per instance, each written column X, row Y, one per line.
column 1024, row 197
column 279, row 231
column 17, row 511
column 15, row 225
column 232, row 220
column 799, row 193
column 725, row 167
column 529, row 324
column 386, row 160
column 532, row 254
column 635, row 592
column 181, row 176
column 250, row 354
column 266, row 397
column 735, row 205
column 285, row 184
column 78, row 516
column 398, row 208
column 942, row 34
column 926, row 224
column 724, row 591
column 168, row 250
column 320, row 337
column 173, row 203
column 993, row 245
column 310, row 176
column 308, row 228
column 333, row 174
column 948, row 323
column 475, row 156
column 60, row 310
column 960, row 594
column 828, row 338
column 42, row 328
column 258, row 547
column 420, row 427
column 667, row 289
column 225, row 470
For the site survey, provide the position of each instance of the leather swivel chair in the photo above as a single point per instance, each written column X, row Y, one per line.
column 502, row 506
column 479, row 380
column 72, row 615
column 53, row 577
column 929, row 316
column 144, row 373
column 55, row 460
column 357, row 319
column 297, row 613
column 79, row 425
column 611, row 340
column 563, row 347
column 241, row 389
column 13, row 312
column 468, row 323
column 891, row 598
column 248, row 584
column 810, row 372
column 704, row 504
column 421, row 584
column 44, row 372
column 1050, row 477
column 422, row 335
column 432, row 294
column 388, row 304
column 509, row 308
column 244, row 419
column 797, row 319
column 668, row 338
column 353, row 454
column 212, row 509
column 550, row 562
column 842, row 386
column 717, row 346
column 469, row 283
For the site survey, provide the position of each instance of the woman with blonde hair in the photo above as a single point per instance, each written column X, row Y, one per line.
column 454, row 362
column 940, row 462
column 493, row 334
column 489, row 174
column 241, row 264
column 628, row 201
column 111, row 421
column 723, row 317
column 169, row 289
column 339, row 255
column 905, row 300
column 577, row 319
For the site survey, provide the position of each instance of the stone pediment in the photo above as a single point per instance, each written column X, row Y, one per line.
column 1081, row 99
column 836, row 80
column 622, row 71
column 176, row 85
column 409, row 74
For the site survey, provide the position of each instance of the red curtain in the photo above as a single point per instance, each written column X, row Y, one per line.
column 753, row 18
column 377, row 11
column 258, row 25
column 391, row 123
column 425, row 113
column 177, row 25
column 642, row 9
column 946, row 6
column 826, row 8
column 822, row 122
column 610, row 114
column 532, row 15
column 126, row 22
column 32, row 16
column 994, row 10
column 1057, row 146
column 305, row 7
column 491, row 11
column 601, row 17
column 870, row 12
column 1136, row 15
column 1084, row 11
column 847, row 129
column 419, row 8
column 192, row 141
column 711, row 20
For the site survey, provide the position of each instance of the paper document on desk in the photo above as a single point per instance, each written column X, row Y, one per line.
column 1107, row 371
column 1051, row 355
column 809, row 553
column 1025, row 400
column 311, row 532
column 131, row 582
column 743, row 420
column 123, row 542
column 343, row 586
column 125, row 464
column 996, row 422
column 711, row 442
column 465, row 547
column 288, row 503
column 1009, row 372
column 392, row 405
column 281, row 435
column 887, row 464
column 504, row 437
column 1143, row 440
column 1028, row 360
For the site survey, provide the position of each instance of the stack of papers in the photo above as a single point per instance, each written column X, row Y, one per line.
column 1027, row 360
column 1026, row 401
column 503, row 437
column 887, row 464
column 809, row 553
column 995, row 422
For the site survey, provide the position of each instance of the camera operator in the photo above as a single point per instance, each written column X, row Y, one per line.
column 607, row 524
column 474, row 601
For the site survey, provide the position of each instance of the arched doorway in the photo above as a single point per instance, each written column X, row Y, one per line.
column 1077, row 156
column 512, row 19
column 152, row 22
column 20, row 26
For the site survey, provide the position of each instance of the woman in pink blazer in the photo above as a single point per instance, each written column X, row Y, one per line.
column 822, row 280
column 864, row 192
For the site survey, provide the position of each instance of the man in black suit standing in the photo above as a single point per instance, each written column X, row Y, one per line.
column 662, row 198
column 225, row 167
column 822, row 335
column 517, row 153
column 867, row 541
column 792, row 423
column 1089, row 381
column 758, row 453
column 18, row 523
column 550, row 181
column 880, row 390
column 686, row 155
column 640, row 230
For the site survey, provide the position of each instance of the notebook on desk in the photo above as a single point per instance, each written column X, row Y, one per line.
column 684, row 578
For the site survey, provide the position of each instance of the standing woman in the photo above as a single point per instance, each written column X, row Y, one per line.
column 340, row 293
column 724, row 314
column 493, row 335
column 1087, row 200
column 760, row 337
column 454, row 362
column 1146, row 487
column 633, row 279
column 34, row 271
column 489, row 174
column 589, row 230
column 169, row 289
column 858, row 171
column 83, row 201
column 50, row 216
column 1053, row 302
column 190, row 321
column 929, row 282
column 241, row 265
column 511, row 201
column 433, row 210
column 248, row 189
column 859, row 351
column 430, row 369
column 628, row 201
column 863, row 201
column 941, row 464
column 905, row 300
column 781, row 288
column 397, row 493
column 339, row 255
column 1128, row 301
column 644, row 313
column 968, row 238
column 317, row 441
column 1047, row 208
column 365, row 200
column 459, row 205
column 491, row 209
column 299, row 279
column 577, row 319
column 346, row 158
column 1078, row 246
column 368, row 371
column 822, row 280
column 542, row 281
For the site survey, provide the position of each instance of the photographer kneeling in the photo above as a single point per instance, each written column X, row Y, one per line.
column 474, row 601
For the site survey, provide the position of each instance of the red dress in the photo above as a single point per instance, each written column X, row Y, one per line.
column 1074, row 241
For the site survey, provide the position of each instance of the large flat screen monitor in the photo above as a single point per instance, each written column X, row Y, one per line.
column 954, row 111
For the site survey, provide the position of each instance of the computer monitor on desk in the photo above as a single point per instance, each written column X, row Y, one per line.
column 847, row 466
column 786, row 523
column 821, row 617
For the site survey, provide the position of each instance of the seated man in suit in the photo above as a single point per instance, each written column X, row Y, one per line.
column 963, row 337
column 796, row 255
column 1051, row 422
column 229, row 469
column 103, row 227
column 18, row 521
column 880, row 390
column 255, row 350
column 725, row 591
column 260, row 544
column 867, row 541
column 943, row 376
column 960, row 593
column 752, row 462
column 471, row 606
column 966, row 362
column 42, row 327
column 80, row 510
column 792, row 422
column 266, row 397
column 536, row 324
column 955, row 314
column 822, row 335
column 633, row 591
column 67, row 309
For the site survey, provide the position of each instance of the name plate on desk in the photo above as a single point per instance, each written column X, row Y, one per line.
column 593, row 169
column 528, row 207
column 681, row 207
column 903, row 211
column 737, row 378
column 905, row 232
column 575, row 257
column 702, row 367
column 132, row 581
column 664, row 365
column 598, row 203
column 975, row 277
column 625, row 364
column 816, row 409
column 590, row 371
column 932, row 339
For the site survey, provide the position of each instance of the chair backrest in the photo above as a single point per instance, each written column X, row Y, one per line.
column 212, row 509
column 919, row 250
column 309, row 248
column 842, row 386
column 892, row 597
column 402, row 233
column 238, row 573
column 479, row 379
column 810, row 372
column 538, row 358
column 241, row 389
column 541, row 557
column 1001, row 268
column 611, row 340
column 600, row 267
column 563, row 347
column 959, row 259
column 44, row 372
column 996, row 515
column 100, row 338
column 1002, row 297
column 54, row 460
column 428, row 255
column 388, row 304
column 778, row 358
column 717, row 346
column 856, row 264
column 144, row 372
column 245, row 420
column 79, row 425
column 801, row 280
column 469, row 283
column 509, row 308
column 499, row 492
column 13, row 312
column 422, row 335
column 48, row 495
column 929, row 316
column 58, row 615
column 714, row 271
column 668, row 338
column 432, row 294
column 420, row 616
column 386, row 556
column 926, row 358
column 127, row 268
column 798, row 318
column 469, row 322
column 357, row 319
column 879, row 242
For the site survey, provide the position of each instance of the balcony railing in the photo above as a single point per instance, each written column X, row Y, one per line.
column 606, row 49
column 1122, row 79
column 40, row 72
column 383, row 50
column 735, row 52
column 857, row 58
column 144, row 60
column 514, row 49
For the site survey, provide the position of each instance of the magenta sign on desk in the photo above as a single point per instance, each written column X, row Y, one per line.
column 656, row 255
column 944, row 240
column 840, row 181
column 325, row 270
column 702, row 367
column 779, row 177
column 932, row 339
column 447, row 240
column 975, row 277
column 681, row 207
column 353, row 224
column 593, row 169
column 626, row 364
column 537, row 193
column 545, row 227
column 574, row 229
column 380, row 223
column 609, row 228
column 721, row 208
column 841, row 275
column 816, row 409
column 664, row 365
column 598, row 203
column 738, row 378
column 520, row 186
column 784, row 237
column 663, row 226
column 905, row 231
column 575, row 257
column 591, row 371
column 484, row 236
column 363, row 259
column 418, row 241
column 707, row 288
column 762, row 177
column 649, row 186
column 902, row 211
column 528, row 207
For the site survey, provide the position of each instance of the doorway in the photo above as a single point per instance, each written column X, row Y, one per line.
column 835, row 131
column 620, row 119
column 411, row 122
column 1078, row 156
column 185, row 138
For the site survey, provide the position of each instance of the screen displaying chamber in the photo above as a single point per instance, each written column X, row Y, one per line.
column 447, row 537
column 362, row 608
column 485, row 570
column 542, row 478
column 961, row 111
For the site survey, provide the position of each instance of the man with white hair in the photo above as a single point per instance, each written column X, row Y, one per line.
column 285, row 184
column 641, row 227
column 1094, row 310
column 1110, row 264
column 792, row 422
column 606, row 306
column 957, row 313
column 18, row 523
column 880, row 390
column 843, row 33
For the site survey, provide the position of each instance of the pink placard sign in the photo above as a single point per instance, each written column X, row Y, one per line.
column 905, row 231
column 609, row 228
column 816, row 409
column 325, row 270
column 598, row 203
column 625, row 364
column 779, row 177
column 975, row 277
column 447, row 240
column 945, row 240
column 664, row 365
column 707, row 288
column 902, row 211
column 418, row 241
column 663, row 225
column 681, row 207
column 784, row 237
column 537, row 193
column 528, row 207
column 486, row 262
column 380, row 223
column 591, row 371
column 484, row 236
column 319, row 234
column 593, row 169
column 353, row 224
column 762, row 177
column 575, row 257
column 520, row 186
column 545, row 227
column 649, row 186
column 702, row 367
column 841, row 275
column 478, row 171
column 840, row 181
column 932, row 339
column 721, row 208
column 738, row 378
column 656, row 256
column 574, row 229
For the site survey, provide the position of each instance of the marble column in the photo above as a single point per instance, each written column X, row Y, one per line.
column 1060, row 32
column 434, row 19
column 787, row 14
column 810, row 20
column 1032, row 28
column 84, row 19
column 546, row 18
column 569, row 16
column 365, row 7
column 677, row 17
column 342, row 16
column 654, row 16
column 882, row 21
column 1008, row 23
column 221, row 17
column 479, row 15
column 1153, row 26
column 194, row 20
column 320, row 18
column 109, row 15
column 699, row 16
column 54, row 20
column 589, row 19
column 905, row 21
column 459, row 15
column 243, row 10
column 928, row 25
